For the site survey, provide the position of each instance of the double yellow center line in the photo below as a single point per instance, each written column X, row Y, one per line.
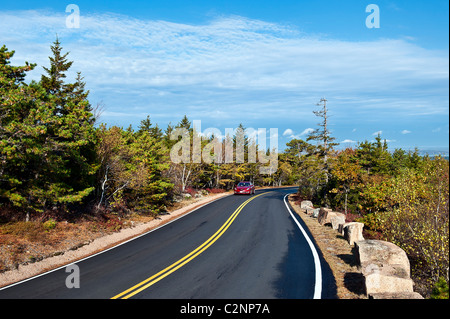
column 183, row 261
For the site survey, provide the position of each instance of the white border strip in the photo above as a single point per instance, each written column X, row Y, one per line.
column 103, row 251
column 318, row 268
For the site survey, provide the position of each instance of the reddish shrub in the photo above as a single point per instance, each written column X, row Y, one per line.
column 215, row 190
column 190, row 191
column 352, row 217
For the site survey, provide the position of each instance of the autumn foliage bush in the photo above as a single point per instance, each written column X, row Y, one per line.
column 400, row 197
column 404, row 202
column 418, row 221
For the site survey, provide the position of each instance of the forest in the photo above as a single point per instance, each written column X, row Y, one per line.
column 58, row 160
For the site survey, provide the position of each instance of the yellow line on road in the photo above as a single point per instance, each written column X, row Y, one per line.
column 183, row 261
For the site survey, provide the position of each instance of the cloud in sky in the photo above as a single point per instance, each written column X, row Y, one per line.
column 406, row 132
column 232, row 69
column 377, row 133
column 290, row 133
column 307, row 131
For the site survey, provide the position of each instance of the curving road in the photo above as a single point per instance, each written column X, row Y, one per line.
column 237, row 247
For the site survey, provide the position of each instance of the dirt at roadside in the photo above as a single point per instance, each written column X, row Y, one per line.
column 29, row 251
column 338, row 254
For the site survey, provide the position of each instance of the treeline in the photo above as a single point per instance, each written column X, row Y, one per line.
column 55, row 159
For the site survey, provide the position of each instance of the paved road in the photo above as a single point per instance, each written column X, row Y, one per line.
column 248, row 247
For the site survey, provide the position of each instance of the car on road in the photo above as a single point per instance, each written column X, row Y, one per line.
column 244, row 188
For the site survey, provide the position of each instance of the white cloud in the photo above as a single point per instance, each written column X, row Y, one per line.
column 230, row 68
column 377, row 133
column 406, row 132
column 348, row 141
column 307, row 131
column 290, row 133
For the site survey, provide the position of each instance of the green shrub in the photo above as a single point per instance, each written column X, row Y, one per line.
column 49, row 224
column 440, row 289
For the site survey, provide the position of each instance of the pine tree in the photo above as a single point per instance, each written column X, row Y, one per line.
column 27, row 140
column 74, row 138
column 53, row 82
column 17, row 101
column 77, row 93
column 375, row 157
column 323, row 136
column 149, row 161
column 47, row 148
column 145, row 126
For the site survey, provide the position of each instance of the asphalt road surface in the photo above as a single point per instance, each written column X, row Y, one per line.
column 237, row 247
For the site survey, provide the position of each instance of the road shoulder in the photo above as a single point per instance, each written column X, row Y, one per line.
column 337, row 253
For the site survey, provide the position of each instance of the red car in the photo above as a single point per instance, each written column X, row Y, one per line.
column 244, row 188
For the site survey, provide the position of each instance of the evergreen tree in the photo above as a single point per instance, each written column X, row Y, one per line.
column 166, row 137
column 145, row 126
column 77, row 93
column 323, row 135
column 184, row 123
column 156, row 132
column 47, row 137
column 53, row 82
column 374, row 156
column 297, row 154
column 24, row 114
column 148, row 163
column 73, row 145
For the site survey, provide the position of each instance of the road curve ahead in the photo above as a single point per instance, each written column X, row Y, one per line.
column 249, row 247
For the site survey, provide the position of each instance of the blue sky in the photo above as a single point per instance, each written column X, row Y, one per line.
column 261, row 63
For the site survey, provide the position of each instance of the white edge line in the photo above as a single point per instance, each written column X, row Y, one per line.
column 103, row 251
column 318, row 285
